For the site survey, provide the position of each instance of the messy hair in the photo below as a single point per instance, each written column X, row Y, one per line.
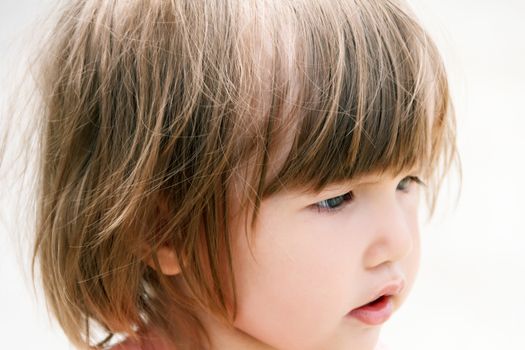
column 151, row 110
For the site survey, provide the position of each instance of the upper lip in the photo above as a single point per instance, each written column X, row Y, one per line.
column 391, row 288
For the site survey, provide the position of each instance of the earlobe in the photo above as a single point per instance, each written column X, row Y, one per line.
column 166, row 255
column 168, row 262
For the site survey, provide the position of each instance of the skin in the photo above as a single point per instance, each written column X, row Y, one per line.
column 307, row 266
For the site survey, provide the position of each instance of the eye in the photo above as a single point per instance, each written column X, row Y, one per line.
column 334, row 203
column 407, row 181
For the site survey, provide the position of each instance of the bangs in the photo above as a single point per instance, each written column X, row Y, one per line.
column 370, row 95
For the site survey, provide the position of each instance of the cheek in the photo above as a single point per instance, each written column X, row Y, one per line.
column 415, row 257
column 296, row 285
column 410, row 264
column 415, row 229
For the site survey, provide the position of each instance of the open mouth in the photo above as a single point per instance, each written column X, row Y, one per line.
column 377, row 301
column 380, row 309
column 375, row 312
column 376, row 304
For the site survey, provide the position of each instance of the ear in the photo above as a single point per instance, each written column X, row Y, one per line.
column 167, row 259
column 166, row 256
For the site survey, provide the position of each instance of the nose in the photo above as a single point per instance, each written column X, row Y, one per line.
column 393, row 232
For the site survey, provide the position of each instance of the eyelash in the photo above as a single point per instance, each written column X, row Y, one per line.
column 336, row 203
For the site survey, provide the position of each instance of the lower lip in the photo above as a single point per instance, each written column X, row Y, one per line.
column 374, row 314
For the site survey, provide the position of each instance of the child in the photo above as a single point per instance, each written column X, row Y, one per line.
column 236, row 174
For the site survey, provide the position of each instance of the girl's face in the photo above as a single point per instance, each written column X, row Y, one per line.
column 316, row 257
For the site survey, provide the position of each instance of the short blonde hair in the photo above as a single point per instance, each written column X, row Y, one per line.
column 149, row 102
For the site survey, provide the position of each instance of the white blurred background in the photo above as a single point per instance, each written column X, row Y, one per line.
column 470, row 292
